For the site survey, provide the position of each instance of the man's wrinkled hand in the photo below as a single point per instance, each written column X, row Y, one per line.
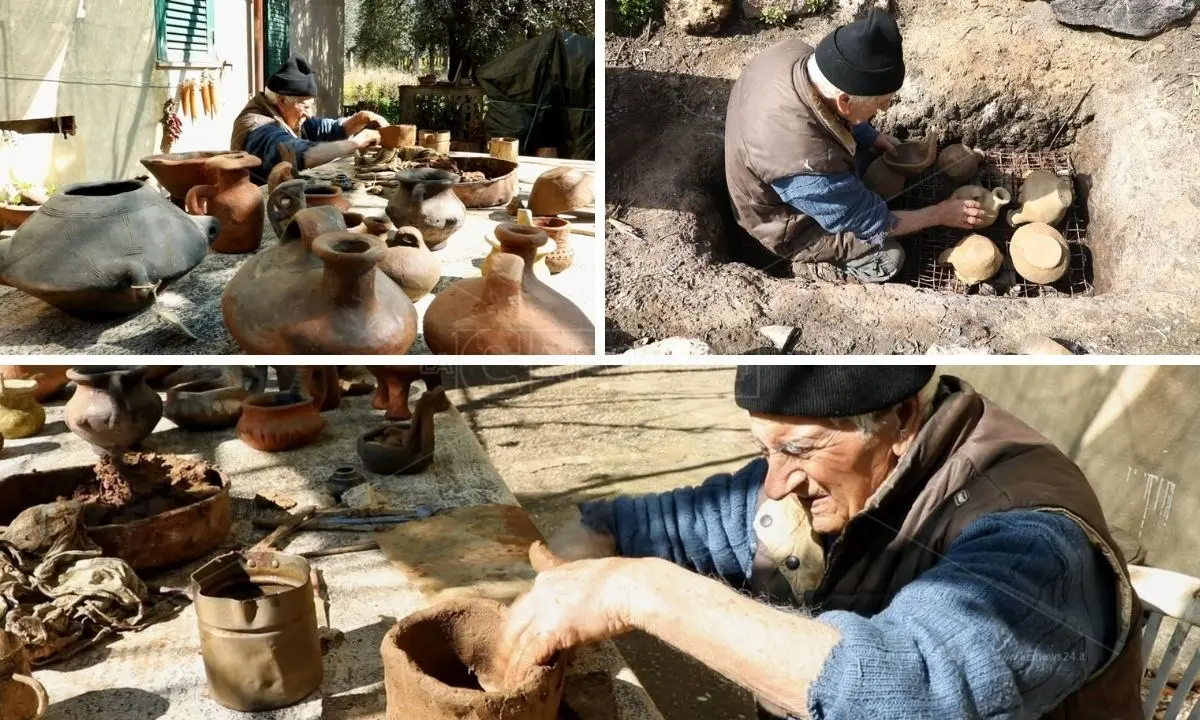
column 959, row 213
column 576, row 541
column 570, row 604
column 364, row 119
column 366, row 138
column 886, row 143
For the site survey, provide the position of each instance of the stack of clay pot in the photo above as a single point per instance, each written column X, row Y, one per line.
column 510, row 310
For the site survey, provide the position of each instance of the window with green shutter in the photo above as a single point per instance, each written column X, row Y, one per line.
column 186, row 31
column 277, row 33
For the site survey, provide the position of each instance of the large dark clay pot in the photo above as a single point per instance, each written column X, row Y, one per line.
column 104, row 248
column 113, row 408
column 318, row 292
column 509, row 312
column 425, row 199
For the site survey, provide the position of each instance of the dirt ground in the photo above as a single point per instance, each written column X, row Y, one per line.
column 992, row 73
column 563, row 435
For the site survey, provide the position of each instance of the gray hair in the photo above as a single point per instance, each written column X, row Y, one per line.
column 832, row 92
column 288, row 99
column 870, row 423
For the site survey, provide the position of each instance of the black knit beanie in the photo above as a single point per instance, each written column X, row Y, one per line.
column 864, row 57
column 823, row 391
column 295, row 78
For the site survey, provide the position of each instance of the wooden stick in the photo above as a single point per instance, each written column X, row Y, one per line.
column 287, row 526
column 344, row 550
column 318, row 526
column 1072, row 115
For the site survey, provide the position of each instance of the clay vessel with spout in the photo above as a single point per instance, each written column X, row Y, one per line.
column 234, row 201
column 1044, row 198
column 113, row 408
column 990, row 200
column 318, row 292
column 410, row 263
column 395, row 449
column 425, row 199
column 510, row 311
column 21, row 696
column 912, row 158
column 958, row 164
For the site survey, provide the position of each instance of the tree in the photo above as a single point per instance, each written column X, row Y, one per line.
column 469, row 32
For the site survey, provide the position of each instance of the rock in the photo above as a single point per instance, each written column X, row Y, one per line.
column 1139, row 18
column 777, row 334
column 851, row 10
column 672, row 346
column 954, row 350
column 697, row 17
column 1034, row 344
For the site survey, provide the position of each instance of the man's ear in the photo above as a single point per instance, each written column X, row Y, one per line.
column 842, row 103
column 908, row 416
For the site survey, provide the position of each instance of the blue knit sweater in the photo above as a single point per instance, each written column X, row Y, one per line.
column 1014, row 619
column 264, row 142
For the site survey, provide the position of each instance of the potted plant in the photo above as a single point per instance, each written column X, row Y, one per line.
column 19, row 201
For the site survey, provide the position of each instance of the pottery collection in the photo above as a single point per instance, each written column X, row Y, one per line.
column 395, row 449
column 22, row 697
column 398, row 136
column 1044, row 198
column 20, row 414
column 205, row 404
column 410, row 263
column 561, row 190
column 180, row 172
column 104, row 248
column 113, row 408
column 425, row 199
column 394, row 383
column 959, row 164
column 233, row 200
column 319, row 291
column 279, row 421
column 975, row 259
column 50, row 379
column 508, row 311
column 990, row 200
column 1039, row 253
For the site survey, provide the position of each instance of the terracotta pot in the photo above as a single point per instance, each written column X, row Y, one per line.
column 991, row 201
column 321, row 383
column 561, row 190
column 396, row 449
column 441, row 663
column 316, row 195
column 377, row 225
column 559, row 231
column 883, row 180
column 180, row 172
column 21, row 696
column 205, row 404
column 394, row 384
column 505, row 148
column 410, row 263
column 975, row 258
column 1039, row 253
column 122, row 238
column 398, row 136
column 234, row 201
column 51, row 379
column 510, row 311
column 540, row 268
column 20, row 414
column 318, row 292
column 500, row 187
column 913, row 158
column 425, row 199
column 436, row 140
column 355, row 222
column 958, row 164
column 1044, row 198
column 14, row 216
column 275, row 422
column 113, row 408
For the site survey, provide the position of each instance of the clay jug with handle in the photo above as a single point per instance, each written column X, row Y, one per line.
column 234, row 200
column 425, row 199
column 21, row 696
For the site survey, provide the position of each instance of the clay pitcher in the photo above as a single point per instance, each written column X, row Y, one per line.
column 113, row 408
column 436, row 140
column 990, row 200
column 410, row 263
column 20, row 414
column 958, row 164
column 21, row 696
column 234, row 201
column 425, row 199
column 510, row 311
column 1044, row 198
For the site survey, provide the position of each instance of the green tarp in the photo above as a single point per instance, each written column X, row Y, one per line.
column 544, row 93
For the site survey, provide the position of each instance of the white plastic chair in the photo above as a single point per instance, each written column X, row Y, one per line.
column 1177, row 596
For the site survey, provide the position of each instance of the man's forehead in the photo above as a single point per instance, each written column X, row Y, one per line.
column 787, row 427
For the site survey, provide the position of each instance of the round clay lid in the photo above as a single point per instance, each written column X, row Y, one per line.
column 234, row 161
column 1046, row 252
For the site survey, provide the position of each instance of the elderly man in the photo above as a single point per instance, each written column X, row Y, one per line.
column 797, row 144
column 276, row 125
column 946, row 560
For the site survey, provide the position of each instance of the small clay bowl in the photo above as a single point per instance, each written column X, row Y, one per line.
column 975, row 258
column 387, row 459
column 279, row 421
column 1039, row 253
column 912, row 158
column 205, row 404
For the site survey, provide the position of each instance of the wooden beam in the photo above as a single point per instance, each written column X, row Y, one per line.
column 64, row 124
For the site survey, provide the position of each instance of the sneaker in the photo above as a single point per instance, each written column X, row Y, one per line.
column 824, row 273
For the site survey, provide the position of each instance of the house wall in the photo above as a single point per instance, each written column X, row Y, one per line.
column 317, row 33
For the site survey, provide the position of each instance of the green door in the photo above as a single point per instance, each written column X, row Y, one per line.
column 276, row 34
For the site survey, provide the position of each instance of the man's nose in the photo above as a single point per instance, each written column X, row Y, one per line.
column 782, row 479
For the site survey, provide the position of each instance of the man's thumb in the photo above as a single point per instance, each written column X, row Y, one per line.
column 543, row 558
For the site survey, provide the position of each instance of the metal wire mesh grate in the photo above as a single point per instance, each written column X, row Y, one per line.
column 1000, row 168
